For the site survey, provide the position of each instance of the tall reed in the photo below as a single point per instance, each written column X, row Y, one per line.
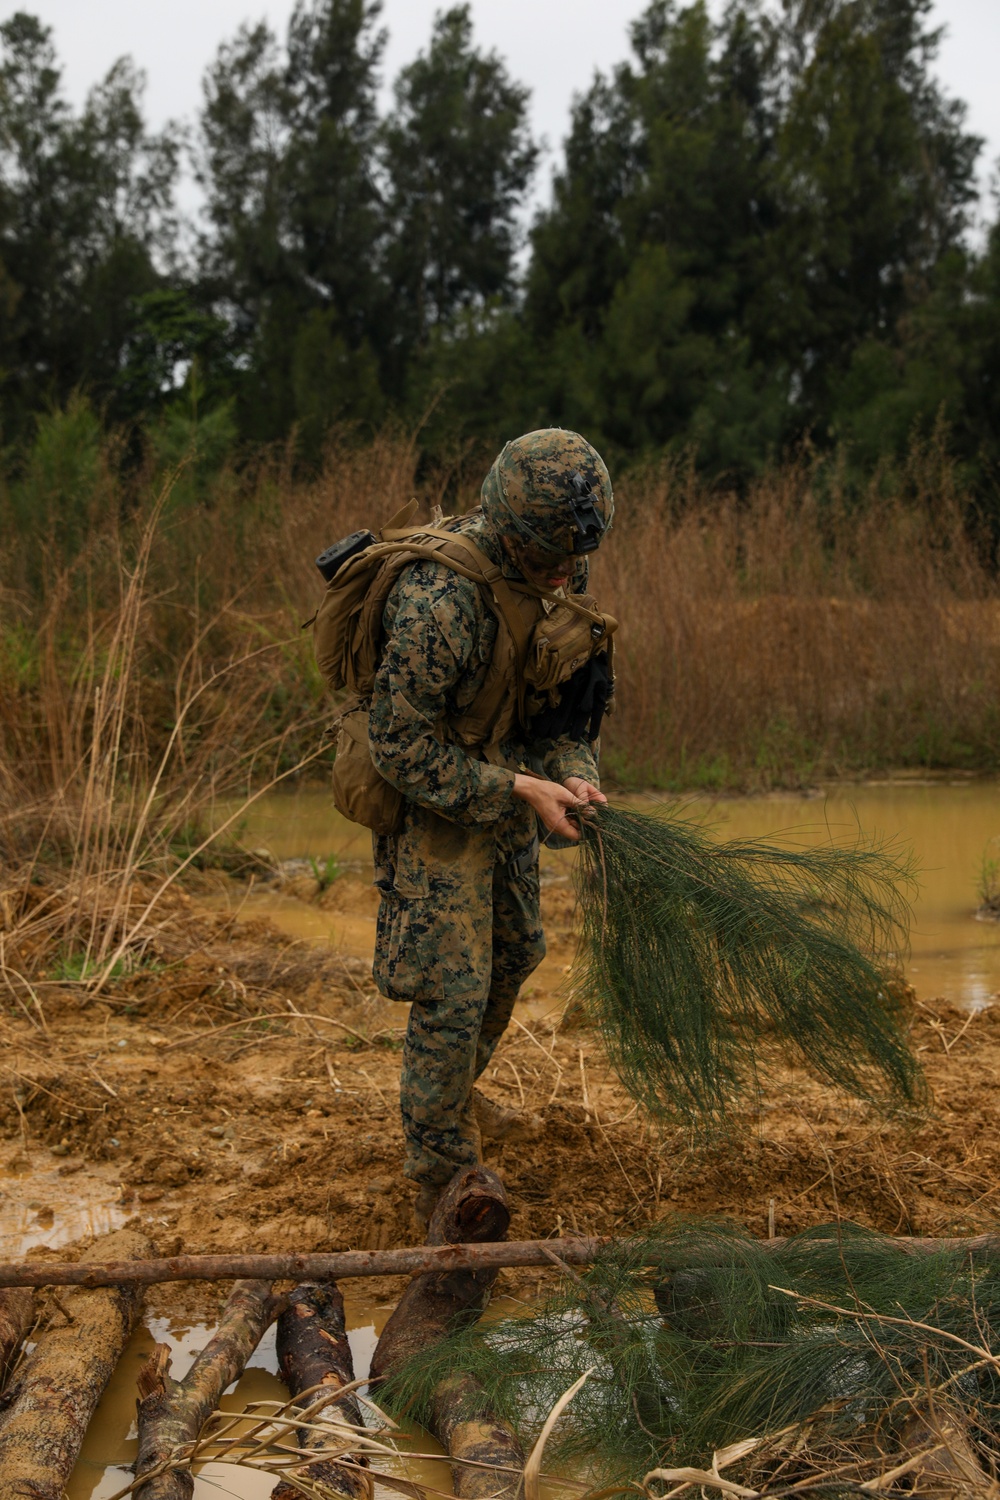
column 766, row 638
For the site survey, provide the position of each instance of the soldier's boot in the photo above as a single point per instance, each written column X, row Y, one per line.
column 425, row 1204
column 498, row 1123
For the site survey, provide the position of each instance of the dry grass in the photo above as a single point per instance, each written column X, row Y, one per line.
column 784, row 636
column 765, row 639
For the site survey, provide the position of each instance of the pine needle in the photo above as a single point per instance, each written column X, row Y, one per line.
column 707, row 964
column 697, row 1337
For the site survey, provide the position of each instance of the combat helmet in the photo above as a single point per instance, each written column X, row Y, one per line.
column 550, row 489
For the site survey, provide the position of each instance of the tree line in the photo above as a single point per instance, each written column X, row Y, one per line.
column 757, row 236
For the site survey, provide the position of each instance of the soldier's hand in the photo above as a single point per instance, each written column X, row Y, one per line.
column 552, row 802
column 585, row 790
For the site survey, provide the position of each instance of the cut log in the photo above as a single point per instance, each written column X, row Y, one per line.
column 435, row 1303
column 313, row 1350
column 173, row 1412
column 53, row 1395
column 17, row 1314
column 319, row 1267
column 432, row 1306
column 463, row 1423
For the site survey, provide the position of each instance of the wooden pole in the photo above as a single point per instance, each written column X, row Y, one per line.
column 56, row 1389
column 318, row 1267
column 313, row 1350
column 173, row 1412
column 576, row 1250
column 17, row 1313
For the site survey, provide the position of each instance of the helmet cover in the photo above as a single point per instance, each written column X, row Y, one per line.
column 552, row 489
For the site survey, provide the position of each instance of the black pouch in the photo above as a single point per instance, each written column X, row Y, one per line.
column 582, row 703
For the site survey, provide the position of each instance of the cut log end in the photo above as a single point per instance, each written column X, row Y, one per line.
column 434, row 1304
column 152, row 1378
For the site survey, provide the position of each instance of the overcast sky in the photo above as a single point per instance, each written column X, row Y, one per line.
column 554, row 46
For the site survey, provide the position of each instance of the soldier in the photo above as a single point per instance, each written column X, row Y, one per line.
column 458, row 926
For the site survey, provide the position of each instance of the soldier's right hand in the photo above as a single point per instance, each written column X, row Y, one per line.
column 551, row 802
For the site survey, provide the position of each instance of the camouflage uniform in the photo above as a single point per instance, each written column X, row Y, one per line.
column 458, row 925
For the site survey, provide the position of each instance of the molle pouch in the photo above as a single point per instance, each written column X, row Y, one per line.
column 565, row 639
column 359, row 792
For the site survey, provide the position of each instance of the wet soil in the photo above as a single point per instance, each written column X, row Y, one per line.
column 191, row 1101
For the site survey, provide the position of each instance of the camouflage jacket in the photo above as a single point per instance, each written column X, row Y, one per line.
column 440, row 635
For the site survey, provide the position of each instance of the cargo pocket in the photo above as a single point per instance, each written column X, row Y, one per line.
column 406, row 964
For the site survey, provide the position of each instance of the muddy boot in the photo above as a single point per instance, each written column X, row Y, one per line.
column 426, row 1202
column 497, row 1123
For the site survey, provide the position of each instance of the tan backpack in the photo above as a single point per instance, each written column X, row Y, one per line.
column 541, row 640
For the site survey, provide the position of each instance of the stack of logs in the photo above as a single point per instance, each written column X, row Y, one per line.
column 49, row 1396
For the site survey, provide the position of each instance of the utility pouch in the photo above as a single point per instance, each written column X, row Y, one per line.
column 564, row 640
column 359, row 792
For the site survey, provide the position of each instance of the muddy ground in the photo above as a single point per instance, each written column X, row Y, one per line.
column 227, row 1123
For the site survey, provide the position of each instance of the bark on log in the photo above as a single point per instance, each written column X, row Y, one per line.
column 54, row 1393
column 576, row 1250
column 462, row 1422
column 173, row 1412
column 17, row 1314
column 431, row 1307
column 473, row 1204
column 319, row 1267
column 313, row 1350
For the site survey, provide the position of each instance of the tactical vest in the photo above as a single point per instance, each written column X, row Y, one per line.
column 542, row 640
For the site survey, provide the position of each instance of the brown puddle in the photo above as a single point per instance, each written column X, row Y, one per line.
column 43, row 1205
column 951, row 828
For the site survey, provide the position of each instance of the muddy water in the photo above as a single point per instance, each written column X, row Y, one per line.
column 950, row 827
column 43, row 1205
column 111, row 1443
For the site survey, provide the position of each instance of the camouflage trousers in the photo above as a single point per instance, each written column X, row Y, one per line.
column 458, row 934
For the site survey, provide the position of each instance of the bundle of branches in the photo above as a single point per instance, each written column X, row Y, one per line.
column 706, row 963
column 815, row 1355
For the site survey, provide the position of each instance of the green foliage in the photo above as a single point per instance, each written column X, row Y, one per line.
column 705, row 964
column 325, row 871
column 694, row 1343
column 756, row 237
column 988, row 884
column 459, row 159
column 58, row 487
column 190, row 444
column 85, row 216
column 77, row 967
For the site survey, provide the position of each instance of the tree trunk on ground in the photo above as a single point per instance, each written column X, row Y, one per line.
column 433, row 1305
column 474, row 1206
column 313, row 1350
column 463, row 1423
column 17, row 1313
column 173, row 1412
column 53, row 1395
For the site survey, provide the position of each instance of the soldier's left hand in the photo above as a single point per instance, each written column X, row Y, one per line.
column 584, row 790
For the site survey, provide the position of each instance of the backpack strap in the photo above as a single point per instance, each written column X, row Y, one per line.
column 502, row 592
